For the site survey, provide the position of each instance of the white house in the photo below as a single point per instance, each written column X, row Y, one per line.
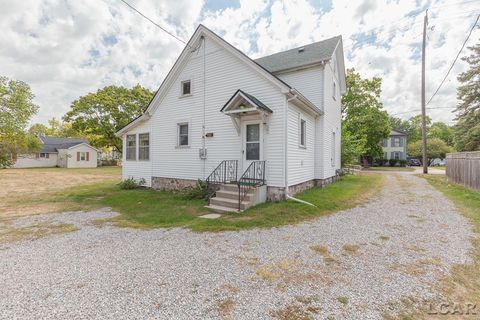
column 270, row 126
column 60, row 152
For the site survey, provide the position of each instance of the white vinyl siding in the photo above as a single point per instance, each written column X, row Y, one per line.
column 300, row 160
column 309, row 82
column 225, row 74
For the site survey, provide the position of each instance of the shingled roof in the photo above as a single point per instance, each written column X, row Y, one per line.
column 301, row 56
column 52, row 144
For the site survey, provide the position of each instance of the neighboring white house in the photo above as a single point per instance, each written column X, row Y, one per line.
column 60, row 152
column 277, row 119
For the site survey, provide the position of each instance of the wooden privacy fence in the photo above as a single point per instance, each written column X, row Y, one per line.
column 464, row 168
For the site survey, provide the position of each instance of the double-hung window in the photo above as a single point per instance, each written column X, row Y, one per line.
column 303, row 133
column 144, row 146
column 183, row 135
column 131, row 147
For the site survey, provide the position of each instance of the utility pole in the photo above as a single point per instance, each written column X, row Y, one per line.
column 424, row 121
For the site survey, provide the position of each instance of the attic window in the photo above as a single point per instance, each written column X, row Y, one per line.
column 186, row 88
column 300, row 50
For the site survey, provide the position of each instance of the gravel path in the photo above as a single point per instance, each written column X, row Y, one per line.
column 361, row 261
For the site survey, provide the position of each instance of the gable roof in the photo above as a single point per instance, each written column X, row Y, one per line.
column 259, row 104
column 301, row 56
column 52, row 144
column 398, row 132
column 189, row 48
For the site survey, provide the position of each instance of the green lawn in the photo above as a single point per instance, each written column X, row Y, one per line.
column 150, row 209
column 464, row 283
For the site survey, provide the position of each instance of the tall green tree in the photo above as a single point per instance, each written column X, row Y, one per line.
column 364, row 120
column 437, row 148
column 467, row 129
column 56, row 128
column 441, row 131
column 99, row 115
column 16, row 109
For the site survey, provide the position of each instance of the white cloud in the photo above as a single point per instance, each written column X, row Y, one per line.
column 65, row 49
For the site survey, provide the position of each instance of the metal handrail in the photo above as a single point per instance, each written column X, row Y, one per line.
column 254, row 176
column 225, row 172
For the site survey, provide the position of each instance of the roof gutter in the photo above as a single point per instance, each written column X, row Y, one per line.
column 143, row 117
column 296, row 95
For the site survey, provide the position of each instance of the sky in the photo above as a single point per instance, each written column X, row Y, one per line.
column 66, row 49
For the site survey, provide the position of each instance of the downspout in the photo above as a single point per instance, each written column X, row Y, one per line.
column 287, row 196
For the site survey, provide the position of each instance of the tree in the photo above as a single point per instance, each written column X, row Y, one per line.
column 364, row 122
column 56, row 128
column 437, row 148
column 467, row 129
column 442, row 131
column 16, row 109
column 99, row 115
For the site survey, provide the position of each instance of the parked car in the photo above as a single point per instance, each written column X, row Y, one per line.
column 437, row 162
column 414, row 162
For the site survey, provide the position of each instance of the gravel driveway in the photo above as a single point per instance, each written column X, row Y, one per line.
column 366, row 261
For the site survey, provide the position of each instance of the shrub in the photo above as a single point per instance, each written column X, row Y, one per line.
column 131, row 183
column 199, row 191
column 392, row 162
column 403, row 163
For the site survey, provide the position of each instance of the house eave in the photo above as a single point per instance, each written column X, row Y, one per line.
column 299, row 97
column 133, row 124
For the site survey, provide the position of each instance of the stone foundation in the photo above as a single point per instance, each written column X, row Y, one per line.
column 297, row 188
column 325, row 182
column 160, row 183
column 278, row 193
column 275, row 194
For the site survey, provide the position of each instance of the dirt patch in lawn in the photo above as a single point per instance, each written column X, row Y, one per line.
column 24, row 191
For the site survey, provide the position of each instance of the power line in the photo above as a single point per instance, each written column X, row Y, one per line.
column 456, row 58
column 431, row 108
column 153, row 22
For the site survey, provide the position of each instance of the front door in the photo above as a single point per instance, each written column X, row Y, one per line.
column 252, row 142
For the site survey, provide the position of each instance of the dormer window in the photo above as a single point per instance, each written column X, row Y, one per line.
column 186, row 87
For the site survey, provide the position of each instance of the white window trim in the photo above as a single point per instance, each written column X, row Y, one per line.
column 334, row 148
column 300, row 144
column 126, row 147
column 181, row 88
column 334, row 89
column 84, row 156
column 178, row 135
column 149, row 145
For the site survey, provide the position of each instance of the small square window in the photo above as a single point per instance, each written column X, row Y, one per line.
column 43, row 155
column 183, row 134
column 186, row 87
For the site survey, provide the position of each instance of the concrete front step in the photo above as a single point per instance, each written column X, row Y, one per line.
column 233, row 195
column 220, row 209
column 229, row 203
column 229, row 187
